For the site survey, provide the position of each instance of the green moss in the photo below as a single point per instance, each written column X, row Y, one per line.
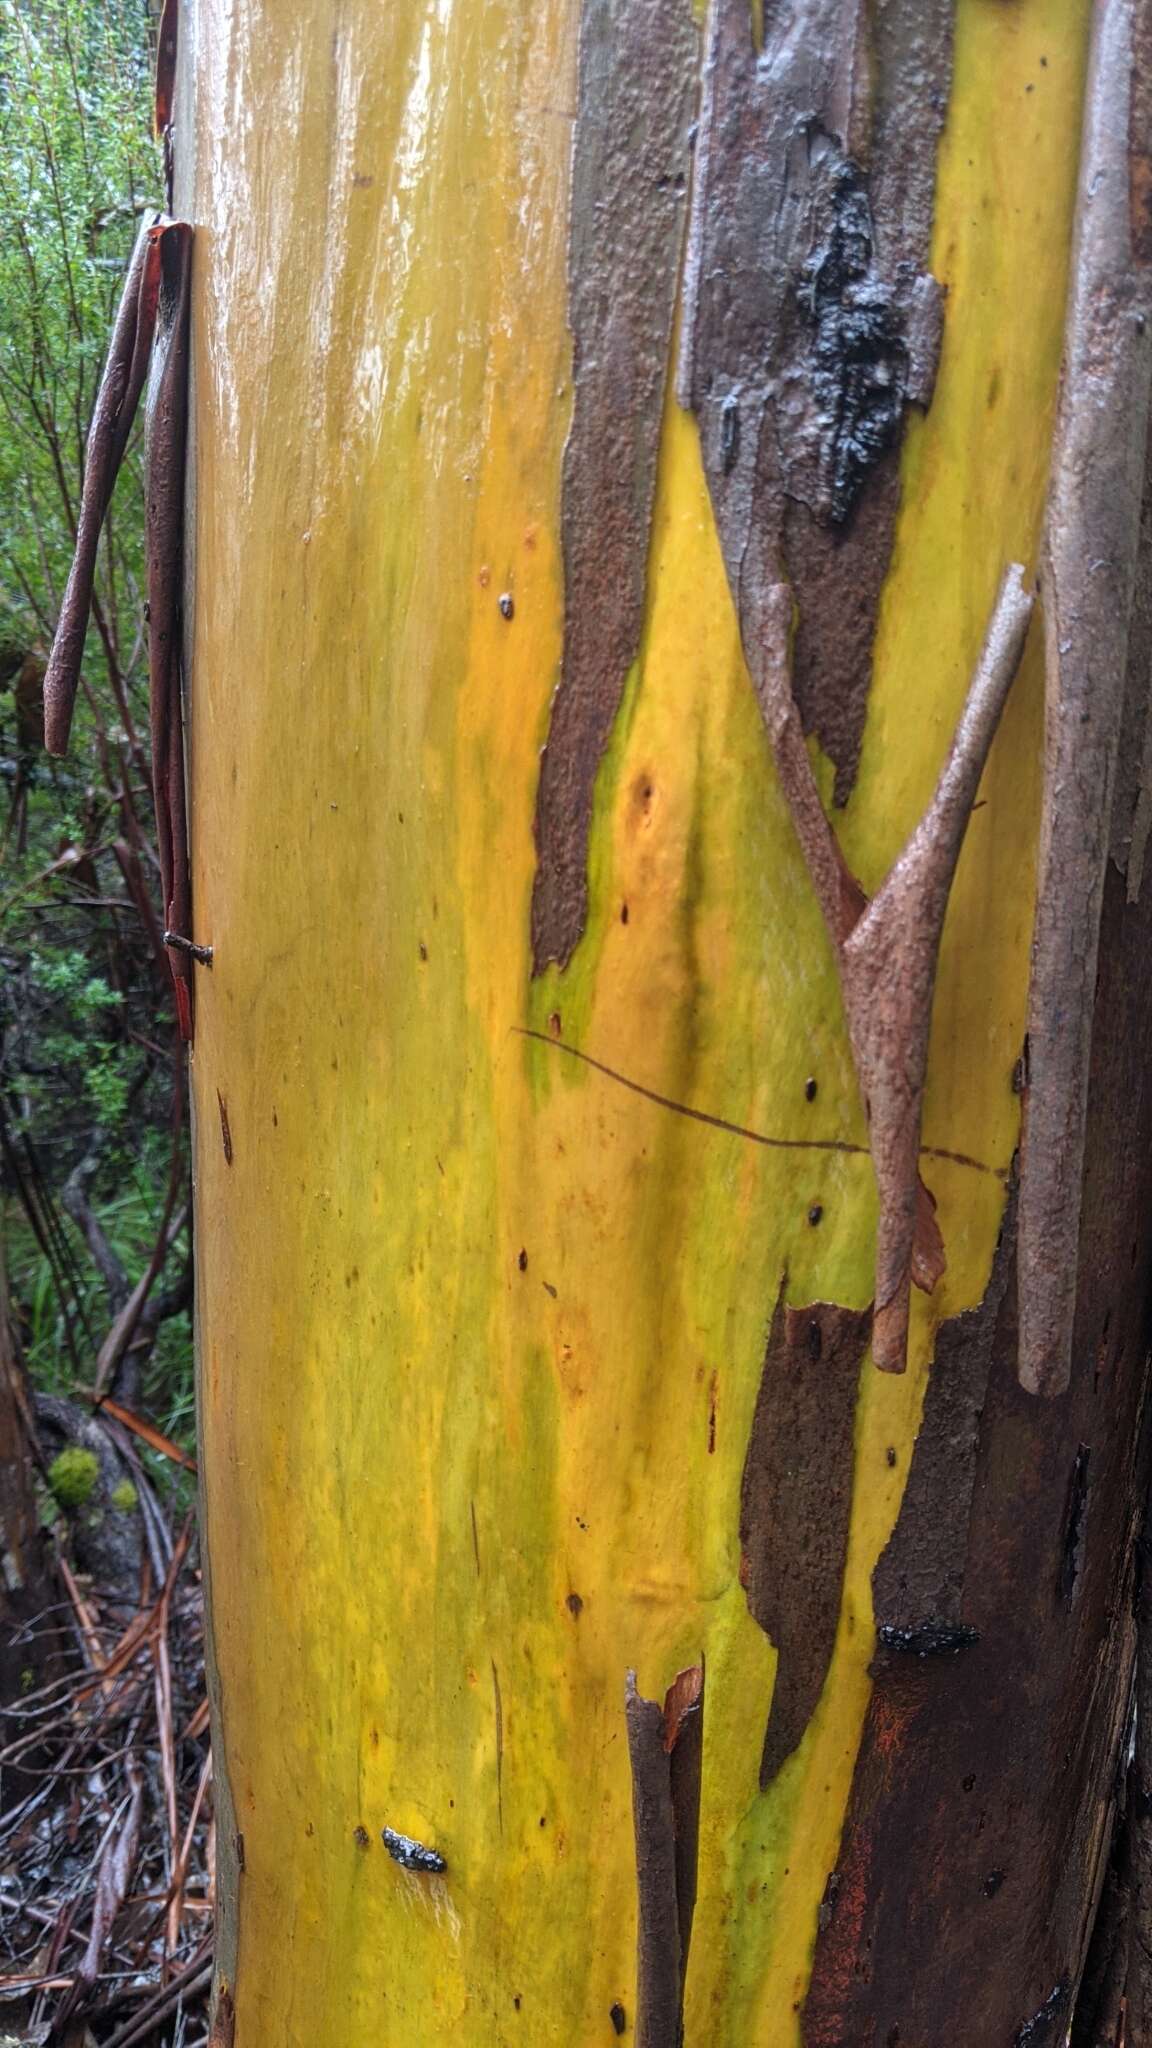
column 72, row 1476
column 125, row 1496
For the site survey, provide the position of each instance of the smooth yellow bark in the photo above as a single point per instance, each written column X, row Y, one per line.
column 481, row 1328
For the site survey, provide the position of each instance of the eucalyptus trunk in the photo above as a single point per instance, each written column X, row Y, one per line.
column 669, row 629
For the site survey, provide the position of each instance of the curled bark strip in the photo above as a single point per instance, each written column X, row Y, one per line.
column 167, row 412
column 888, row 969
column 1087, row 577
column 796, row 1504
column 112, row 416
column 166, row 47
column 665, row 1746
column 887, row 948
column 630, row 176
column 810, row 320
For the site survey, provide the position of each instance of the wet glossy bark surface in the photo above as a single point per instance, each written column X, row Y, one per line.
column 489, row 1258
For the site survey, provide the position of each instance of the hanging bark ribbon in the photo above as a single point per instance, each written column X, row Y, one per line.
column 166, row 433
column 112, row 416
column 151, row 327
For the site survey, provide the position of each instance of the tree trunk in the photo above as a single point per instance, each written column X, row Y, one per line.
column 634, row 1235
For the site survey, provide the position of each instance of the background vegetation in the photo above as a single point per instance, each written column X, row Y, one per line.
column 107, row 1847
column 88, row 1061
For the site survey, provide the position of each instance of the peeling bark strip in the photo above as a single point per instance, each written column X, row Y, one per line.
column 665, row 1748
column 167, row 419
column 888, row 948
column 810, row 322
column 888, row 968
column 112, row 416
column 1088, row 574
column 796, row 1504
column 167, row 35
column 629, row 176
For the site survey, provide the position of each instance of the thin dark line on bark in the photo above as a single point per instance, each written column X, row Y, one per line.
column 720, row 1123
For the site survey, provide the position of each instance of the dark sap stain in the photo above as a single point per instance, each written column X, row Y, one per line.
column 811, row 322
column 859, row 359
column 1076, row 1515
column 928, row 1638
column 1039, row 2028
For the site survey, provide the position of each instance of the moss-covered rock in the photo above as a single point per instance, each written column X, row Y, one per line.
column 72, row 1476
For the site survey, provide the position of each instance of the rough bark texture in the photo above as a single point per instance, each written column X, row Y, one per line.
column 810, row 321
column 989, row 1773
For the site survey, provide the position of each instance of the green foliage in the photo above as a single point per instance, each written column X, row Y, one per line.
column 72, row 1477
column 86, row 1023
column 125, row 1497
column 77, row 165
